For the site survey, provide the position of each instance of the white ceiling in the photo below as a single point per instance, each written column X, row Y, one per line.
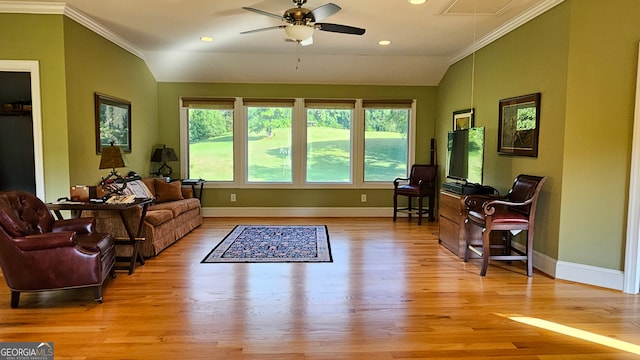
column 425, row 39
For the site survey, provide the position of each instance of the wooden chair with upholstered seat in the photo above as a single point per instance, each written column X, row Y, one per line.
column 421, row 183
column 513, row 212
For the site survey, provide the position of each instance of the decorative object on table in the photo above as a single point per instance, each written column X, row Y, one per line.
column 113, row 122
column 463, row 119
column 519, row 125
column 113, row 184
column 164, row 155
column 273, row 243
column 82, row 193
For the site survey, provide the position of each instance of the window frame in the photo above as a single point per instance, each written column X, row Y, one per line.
column 299, row 148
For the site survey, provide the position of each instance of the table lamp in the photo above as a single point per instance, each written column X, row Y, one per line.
column 164, row 155
column 111, row 159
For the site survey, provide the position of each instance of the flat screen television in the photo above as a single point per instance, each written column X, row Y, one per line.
column 465, row 155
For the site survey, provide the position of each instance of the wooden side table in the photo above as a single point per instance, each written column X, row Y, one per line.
column 193, row 183
column 134, row 238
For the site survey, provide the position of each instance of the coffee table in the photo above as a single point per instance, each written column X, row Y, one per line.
column 134, row 239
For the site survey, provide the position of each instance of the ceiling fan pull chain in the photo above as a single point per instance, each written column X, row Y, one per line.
column 298, row 55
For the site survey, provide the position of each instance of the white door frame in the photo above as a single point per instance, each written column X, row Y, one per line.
column 631, row 284
column 32, row 67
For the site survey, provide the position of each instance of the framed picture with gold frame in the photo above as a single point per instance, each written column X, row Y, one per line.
column 463, row 119
column 113, row 122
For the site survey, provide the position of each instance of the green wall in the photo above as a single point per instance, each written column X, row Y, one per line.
column 94, row 64
column 74, row 64
column 528, row 60
column 603, row 60
column 168, row 114
column 41, row 37
column 582, row 56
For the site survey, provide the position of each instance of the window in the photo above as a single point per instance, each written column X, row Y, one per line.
column 329, row 145
column 297, row 143
column 211, row 138
column 386, row 139
column 269, row 140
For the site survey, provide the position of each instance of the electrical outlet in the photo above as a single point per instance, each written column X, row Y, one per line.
column 363, row 198
column 233, row 197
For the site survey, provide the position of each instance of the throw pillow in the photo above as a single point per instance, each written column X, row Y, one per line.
column 168, row 191
column 139, row 189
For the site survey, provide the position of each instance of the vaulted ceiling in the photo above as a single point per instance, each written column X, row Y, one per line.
column 425, row 39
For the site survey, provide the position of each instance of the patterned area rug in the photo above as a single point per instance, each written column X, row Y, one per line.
column 273, row 243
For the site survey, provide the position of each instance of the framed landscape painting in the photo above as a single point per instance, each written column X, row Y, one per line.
column 113, row 122
column 519, row 125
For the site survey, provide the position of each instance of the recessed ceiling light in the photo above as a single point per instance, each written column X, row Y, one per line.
column 384, row 42
column 417, row 2
column 206, row 38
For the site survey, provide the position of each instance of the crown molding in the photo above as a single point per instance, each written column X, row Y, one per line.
column 34, row 7
column 506, row 28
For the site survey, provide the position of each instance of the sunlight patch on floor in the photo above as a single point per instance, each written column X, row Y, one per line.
column 577, row 333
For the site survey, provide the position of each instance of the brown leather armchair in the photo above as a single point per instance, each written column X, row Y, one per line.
column 38, row 253
column 421, row 183
column 513, row 212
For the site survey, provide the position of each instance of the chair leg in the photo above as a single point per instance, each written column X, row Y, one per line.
column 530, row 252
column 15, row 299
column 420, row 210
column 97, row 294
column 395, row 206
column 409, row 207
column 467, row 231
column 432, row 207
column 486, row 251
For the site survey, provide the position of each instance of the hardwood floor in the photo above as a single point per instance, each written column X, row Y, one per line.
column 391, row 293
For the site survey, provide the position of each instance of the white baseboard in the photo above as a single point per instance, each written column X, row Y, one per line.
column 541, row 262
column 584, row 274
column 545, row 264
column 591, row 275
column 298, row 212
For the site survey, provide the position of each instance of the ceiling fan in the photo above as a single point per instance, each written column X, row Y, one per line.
column 302, row 22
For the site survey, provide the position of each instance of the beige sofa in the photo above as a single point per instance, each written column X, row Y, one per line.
column 173, row 214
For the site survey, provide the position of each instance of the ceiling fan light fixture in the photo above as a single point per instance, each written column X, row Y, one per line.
column 417, row 2
column 299, row 32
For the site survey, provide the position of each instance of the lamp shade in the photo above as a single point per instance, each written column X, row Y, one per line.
column 164, row 154
column 299, row 32
column 111, row 158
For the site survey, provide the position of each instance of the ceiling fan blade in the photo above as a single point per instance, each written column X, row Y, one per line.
column 323, row 12
column 264, row 29
column 261, row 12
column 343, row 29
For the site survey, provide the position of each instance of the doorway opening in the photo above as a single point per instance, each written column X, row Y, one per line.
column 21, row 157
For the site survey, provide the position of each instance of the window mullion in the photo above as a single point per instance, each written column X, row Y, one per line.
column 184, row 142
column 299, row 143
column 358, row 144
column 411, row 151
column 240, row 143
